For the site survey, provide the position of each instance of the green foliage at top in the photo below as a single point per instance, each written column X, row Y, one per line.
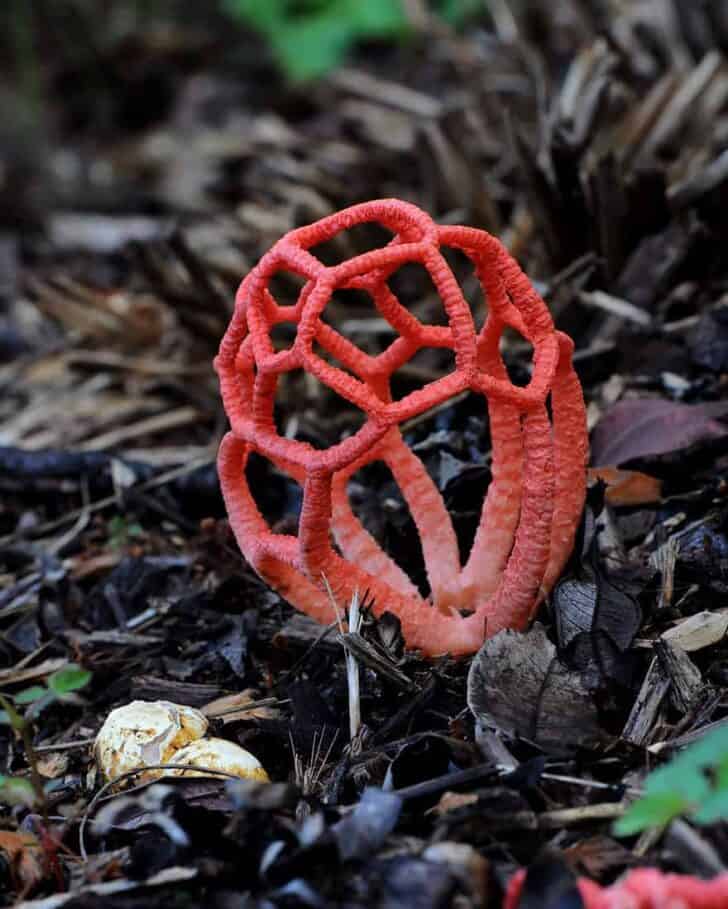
column 694, row 784
column 311, row 37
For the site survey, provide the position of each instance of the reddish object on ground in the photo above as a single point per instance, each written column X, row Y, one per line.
column 644, row 888
column 535, row 498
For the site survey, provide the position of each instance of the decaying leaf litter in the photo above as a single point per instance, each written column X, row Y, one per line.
column 593, row 143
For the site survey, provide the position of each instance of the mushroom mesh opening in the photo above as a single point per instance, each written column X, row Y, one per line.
column 423, row 367
column 386, row 516
column 276, row 494
column 308, row 410
column 353, row 241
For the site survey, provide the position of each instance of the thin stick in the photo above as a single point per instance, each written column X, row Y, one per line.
column 64, row 746
column 352, row 670
column 352, row 667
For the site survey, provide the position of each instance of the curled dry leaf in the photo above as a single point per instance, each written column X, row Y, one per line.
column 518, row 684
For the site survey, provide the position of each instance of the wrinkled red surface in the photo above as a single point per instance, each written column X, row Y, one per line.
column 534, row 501
column 644, row 888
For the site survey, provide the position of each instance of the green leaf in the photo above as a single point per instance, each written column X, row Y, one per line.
column 14, row 790
column 707, row 751
column 311, row 37
column 695, row 783
column 457, row 12
column 263, row 16
column 311, row 50
column 28, row 695
column 650, row 811
column 686, row 778
column 713, row 809
column 68, row 679
column 373, row 18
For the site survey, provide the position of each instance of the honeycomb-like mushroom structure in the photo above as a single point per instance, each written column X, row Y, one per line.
column 534, row 501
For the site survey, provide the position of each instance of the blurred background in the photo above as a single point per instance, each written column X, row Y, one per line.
column 152, row 150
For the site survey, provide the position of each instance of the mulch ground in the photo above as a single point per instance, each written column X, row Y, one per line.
column 592, row 138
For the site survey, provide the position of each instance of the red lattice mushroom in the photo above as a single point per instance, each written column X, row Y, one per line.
column 535, row 498
column 645, row 888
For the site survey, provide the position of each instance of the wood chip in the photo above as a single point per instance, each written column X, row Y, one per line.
column 698, row 631
column 173, row 419
column 646, row 709
column 20, row 673
column 615, row 306
column 392, row 94
column 569, row 817
column 686, row 680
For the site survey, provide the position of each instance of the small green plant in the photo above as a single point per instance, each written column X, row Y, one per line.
column 122, row 531
column 309, row 38
column 694, row 785
column 20, row 712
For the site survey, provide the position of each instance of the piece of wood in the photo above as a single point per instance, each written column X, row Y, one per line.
column 646, row 709
column 698, row 631
column 686, row 681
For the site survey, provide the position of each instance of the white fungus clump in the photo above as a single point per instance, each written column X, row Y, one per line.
column 144, row 733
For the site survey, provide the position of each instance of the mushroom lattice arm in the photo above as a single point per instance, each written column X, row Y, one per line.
column 532, row 508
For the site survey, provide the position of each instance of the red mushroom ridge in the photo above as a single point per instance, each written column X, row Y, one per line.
column 534, row 501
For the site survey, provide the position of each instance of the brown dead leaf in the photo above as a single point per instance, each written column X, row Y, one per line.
column 451, row 801
column 233, row 707
column 627, row 487
column 24, row 857
column 597, row 854
column 638, row 427
column 518, row 684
